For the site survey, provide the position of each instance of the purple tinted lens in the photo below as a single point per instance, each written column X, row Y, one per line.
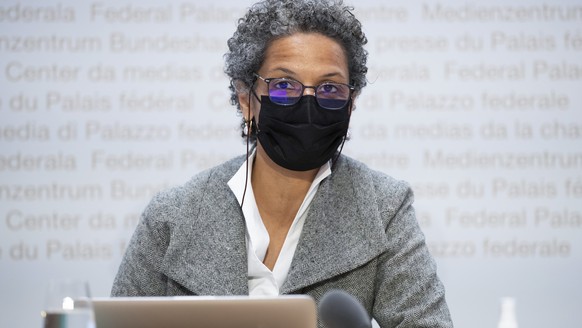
column 284, row 100
column 333, row 95
column 332, row 103
column 285, row 92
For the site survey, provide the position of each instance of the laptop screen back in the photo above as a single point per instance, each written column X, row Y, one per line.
column 291, row 311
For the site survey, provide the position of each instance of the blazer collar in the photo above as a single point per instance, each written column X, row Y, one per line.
column 343, row 230
column 209, row 256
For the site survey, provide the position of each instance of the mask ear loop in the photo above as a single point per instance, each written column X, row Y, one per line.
column 337, row 155
column 249, row 127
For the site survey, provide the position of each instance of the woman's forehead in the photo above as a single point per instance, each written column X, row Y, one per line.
column 302, row 53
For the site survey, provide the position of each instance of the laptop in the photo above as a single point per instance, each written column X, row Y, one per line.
column 288, row 311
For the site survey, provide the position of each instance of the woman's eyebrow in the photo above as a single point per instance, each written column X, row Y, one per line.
column 284, row 70
column 292, row 73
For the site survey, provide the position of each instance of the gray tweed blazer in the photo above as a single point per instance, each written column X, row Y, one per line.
column 360, row 235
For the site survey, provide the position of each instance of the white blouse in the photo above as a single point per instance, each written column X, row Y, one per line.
column 261, row 280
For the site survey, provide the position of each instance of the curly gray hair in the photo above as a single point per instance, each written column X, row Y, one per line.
column 268, row 20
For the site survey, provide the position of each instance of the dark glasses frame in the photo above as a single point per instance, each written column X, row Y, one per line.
column 327, row 103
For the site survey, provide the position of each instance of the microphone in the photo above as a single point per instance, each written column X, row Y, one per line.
column 339, row 309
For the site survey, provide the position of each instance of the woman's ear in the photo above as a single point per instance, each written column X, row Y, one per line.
column 243, row 94
column 353, row 102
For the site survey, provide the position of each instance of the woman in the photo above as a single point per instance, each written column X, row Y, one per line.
column 292, row 216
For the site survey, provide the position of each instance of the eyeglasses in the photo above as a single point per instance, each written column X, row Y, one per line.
column 287, row 92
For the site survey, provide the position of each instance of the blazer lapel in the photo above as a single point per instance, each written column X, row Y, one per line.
column 207, row 255
column 343, row 230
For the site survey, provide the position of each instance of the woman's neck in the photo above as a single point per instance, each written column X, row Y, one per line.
column 278, row 191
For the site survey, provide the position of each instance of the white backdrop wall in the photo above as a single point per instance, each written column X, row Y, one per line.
column 476, row 104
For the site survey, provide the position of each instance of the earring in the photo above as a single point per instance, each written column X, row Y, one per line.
column 248, row 127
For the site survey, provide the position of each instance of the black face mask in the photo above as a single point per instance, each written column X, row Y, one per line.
column 303, row 136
